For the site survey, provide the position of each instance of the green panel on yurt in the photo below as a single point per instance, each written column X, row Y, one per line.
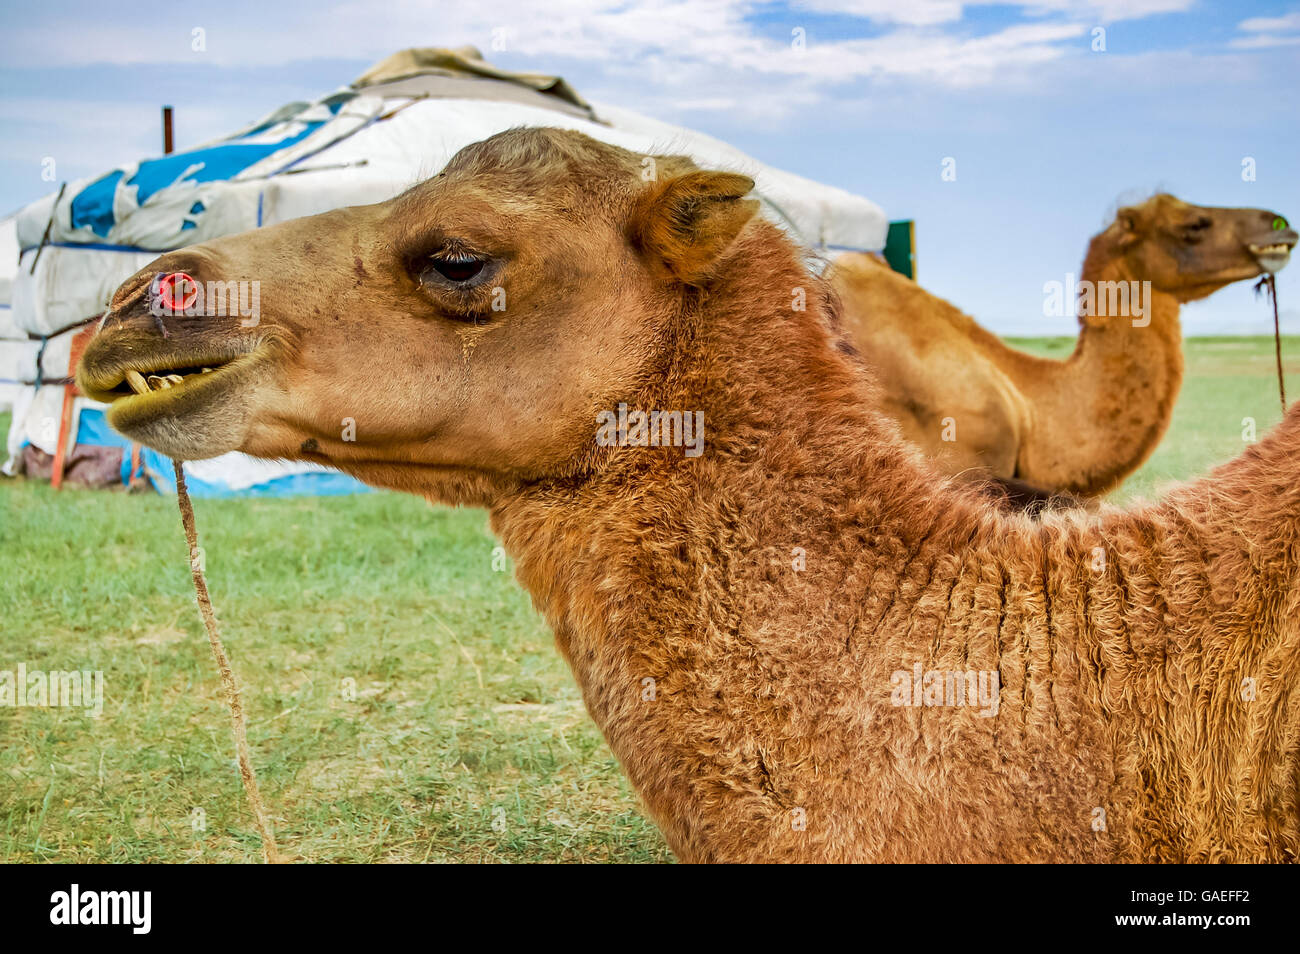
column 900, row 247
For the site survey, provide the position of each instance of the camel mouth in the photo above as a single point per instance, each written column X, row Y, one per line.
column 172, row 393
column 1274, row 251
column 163, row 379
column 1272, row 257
column 186, row 402
column 120, row 379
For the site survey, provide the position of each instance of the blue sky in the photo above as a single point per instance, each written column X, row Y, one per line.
column 1048, row 134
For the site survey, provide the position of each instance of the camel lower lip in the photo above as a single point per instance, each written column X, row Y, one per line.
column 1271, row 258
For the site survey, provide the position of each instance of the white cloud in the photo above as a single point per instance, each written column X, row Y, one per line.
column 934, row 12
column 1289, row 21
column 1262, row 41
column 1266, row 32
column 915, row 13
column 720, row 56
column 1108, row 11
column 663, row 35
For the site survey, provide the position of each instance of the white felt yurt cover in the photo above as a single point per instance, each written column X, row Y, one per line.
column 394, row 126
column 14, row 345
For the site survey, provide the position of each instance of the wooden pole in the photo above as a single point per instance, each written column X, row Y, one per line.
column 911, row 244
column 70, row 392
column 167, row 130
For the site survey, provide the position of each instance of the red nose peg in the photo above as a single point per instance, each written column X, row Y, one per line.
column 176, row 292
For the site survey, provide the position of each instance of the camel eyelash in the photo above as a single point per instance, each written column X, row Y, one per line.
column 452, row 267
column 458, row 267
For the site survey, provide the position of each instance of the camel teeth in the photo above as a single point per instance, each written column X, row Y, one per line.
column 174, row 378
column 205, row 371
column 136, row 380
column 158, row 383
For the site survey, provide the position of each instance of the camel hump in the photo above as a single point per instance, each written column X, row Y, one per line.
column 861, row 260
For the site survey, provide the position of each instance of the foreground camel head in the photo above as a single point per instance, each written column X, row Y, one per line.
column 453, row 340
column 1191, row 251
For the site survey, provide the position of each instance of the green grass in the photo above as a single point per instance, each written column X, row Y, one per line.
column 466, row 739
column 464, row 714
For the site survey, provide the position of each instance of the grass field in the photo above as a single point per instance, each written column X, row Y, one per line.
column 405, row 702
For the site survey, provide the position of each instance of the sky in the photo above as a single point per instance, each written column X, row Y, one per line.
column 1056, row 112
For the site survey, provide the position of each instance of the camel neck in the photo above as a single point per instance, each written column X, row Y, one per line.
column 660, row 573
column 656, row 568
column 1099, row 414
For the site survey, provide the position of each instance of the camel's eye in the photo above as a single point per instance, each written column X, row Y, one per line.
column 459, row 279
column 1195, row 230
column 458, row 267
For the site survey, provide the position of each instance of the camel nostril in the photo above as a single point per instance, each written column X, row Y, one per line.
column 129, row 292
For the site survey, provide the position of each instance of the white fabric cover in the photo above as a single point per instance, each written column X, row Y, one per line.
column 12, row 338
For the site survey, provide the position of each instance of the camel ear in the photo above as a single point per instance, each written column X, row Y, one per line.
column 1127, row 221
column 685, row 223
